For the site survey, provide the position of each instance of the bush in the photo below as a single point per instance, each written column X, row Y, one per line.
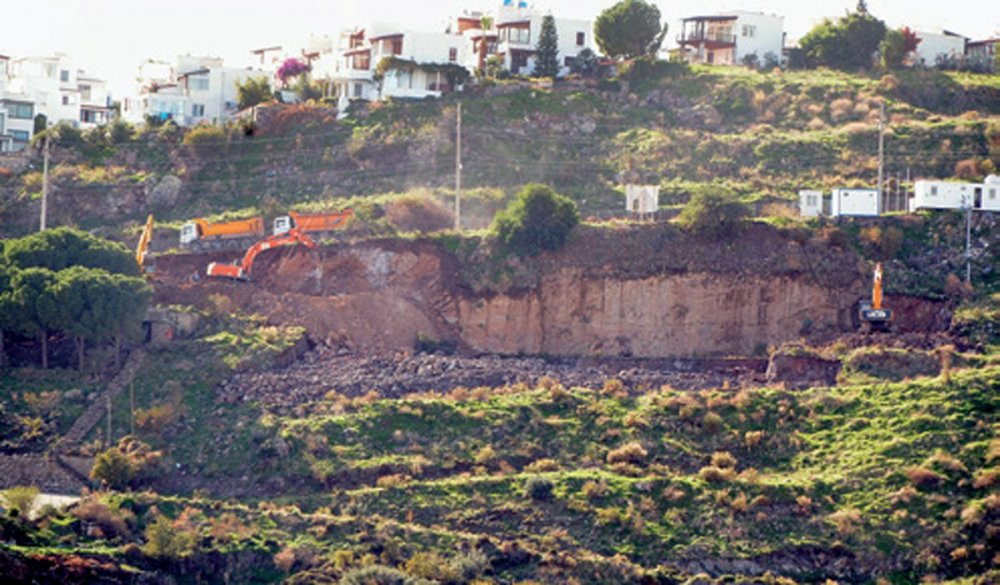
column 126, row 464
column 713, row 474
column 538, row 488
column 628, row 453
column 538, row 219
column 723, row 459
column 20, row 498
column 112, row 523
column 205, row 140
column 714, row 212
column 379, row 575
column 165, row 540
column 418, row 214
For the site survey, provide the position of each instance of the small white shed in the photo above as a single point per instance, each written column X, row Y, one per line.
column 991, row 194
column 810, row 203
column 859, row 202
column 944, row 195
column 642, row 198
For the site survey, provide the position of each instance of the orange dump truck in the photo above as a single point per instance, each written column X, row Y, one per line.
column 311, row 223
column 199, row 234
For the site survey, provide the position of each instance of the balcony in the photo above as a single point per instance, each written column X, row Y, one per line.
column 717, row 38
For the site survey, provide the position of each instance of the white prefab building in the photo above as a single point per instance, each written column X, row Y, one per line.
column 727, row 39
column 810, row 203
column 642, row 199
column 991, row 194
column 938, row 45
column 855, row 202
column 945, row 195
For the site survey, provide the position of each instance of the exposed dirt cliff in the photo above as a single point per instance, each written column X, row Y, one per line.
column 649, row 291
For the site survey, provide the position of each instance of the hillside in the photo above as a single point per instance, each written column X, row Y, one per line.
column 759, row 134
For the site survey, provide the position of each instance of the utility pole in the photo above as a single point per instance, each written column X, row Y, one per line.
column 109, row 419
column 45, row 184
column 968, row 242
column 458, row 167
column 881, row 150
column 131, row 405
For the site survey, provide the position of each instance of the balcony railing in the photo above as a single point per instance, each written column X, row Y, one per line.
column 707, row 37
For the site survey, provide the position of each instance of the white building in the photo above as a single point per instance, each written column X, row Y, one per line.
column 810, row 203
column 58, row 90
column 935, row 46
column 518, row 28
column 642, row 199
column 984, row 51
column 991, row 194
column 17, row 113
column 953, row 195
column 855, row 202
column 727, row 39
column 190, row 92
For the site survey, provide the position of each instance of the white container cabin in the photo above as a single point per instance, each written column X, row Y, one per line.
column 855, row 202
column 946, row 195
column 991, row 194
column 810, row 203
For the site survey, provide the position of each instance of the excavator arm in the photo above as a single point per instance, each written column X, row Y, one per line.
column 143, row 248
column 873, row 313
column 244, row 268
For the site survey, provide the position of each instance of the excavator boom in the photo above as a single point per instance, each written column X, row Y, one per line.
column 243, row 269
column 143, row 248
column 873, row 313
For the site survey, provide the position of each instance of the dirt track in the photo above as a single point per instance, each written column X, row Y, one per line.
column 322, row 371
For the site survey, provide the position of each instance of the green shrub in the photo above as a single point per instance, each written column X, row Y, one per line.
column 538, row 219
column 113, row 469
column 379, row 575
column 715, row 212
column 538, row 488
column 20, row 498
column 165, row 540
column 205, row 140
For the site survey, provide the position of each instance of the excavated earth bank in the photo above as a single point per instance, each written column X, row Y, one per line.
column 648, row 291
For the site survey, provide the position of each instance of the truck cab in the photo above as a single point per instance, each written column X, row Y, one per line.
column 282, row 225
column 189, row 233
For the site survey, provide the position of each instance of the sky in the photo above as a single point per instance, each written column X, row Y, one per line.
column 109, row 38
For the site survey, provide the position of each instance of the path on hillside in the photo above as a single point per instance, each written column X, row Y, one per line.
column 98, row 408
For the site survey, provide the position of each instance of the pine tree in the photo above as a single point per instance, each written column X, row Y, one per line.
column 547, row 51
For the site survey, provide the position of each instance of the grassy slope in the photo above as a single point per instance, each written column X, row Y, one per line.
column 899, row 477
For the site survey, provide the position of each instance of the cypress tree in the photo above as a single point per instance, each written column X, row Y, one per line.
column 547, row 51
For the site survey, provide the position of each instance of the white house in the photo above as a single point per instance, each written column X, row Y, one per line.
column 855, row 202
column 984, row 51
column 728, row 38
column 934, row 46
column 58, row 90
column 518, row 28
column 17, row 113
column 194, row 90
column 810, row 203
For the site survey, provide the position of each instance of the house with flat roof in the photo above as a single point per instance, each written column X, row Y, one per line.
column 731, row 38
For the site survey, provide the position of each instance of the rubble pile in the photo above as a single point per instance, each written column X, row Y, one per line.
column 325, row 370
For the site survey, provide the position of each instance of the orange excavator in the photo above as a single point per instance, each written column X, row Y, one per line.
column 142, row 256
column 243, row 269
column 872, row 312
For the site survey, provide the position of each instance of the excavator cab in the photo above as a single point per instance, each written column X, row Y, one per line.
column 872, row 312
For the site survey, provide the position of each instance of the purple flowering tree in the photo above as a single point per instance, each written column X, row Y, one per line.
column 291, row 69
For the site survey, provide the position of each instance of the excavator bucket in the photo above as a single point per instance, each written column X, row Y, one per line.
column 226, row 270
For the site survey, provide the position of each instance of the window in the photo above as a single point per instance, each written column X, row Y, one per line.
column 749, row 30
column 20, row 135
column 992, row 193
column 581, row 39
column 198, row 110
column 933, row 190
column 811, row 201
column 521, row 35
column 357, row 90
column 65, row 100
column 453, row 54
column 64, row 75
column 20, row 111
column 360, row 61
column 85, row 92
column 199, row 83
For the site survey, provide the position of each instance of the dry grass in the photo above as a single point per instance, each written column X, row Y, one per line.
column 632, row 453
